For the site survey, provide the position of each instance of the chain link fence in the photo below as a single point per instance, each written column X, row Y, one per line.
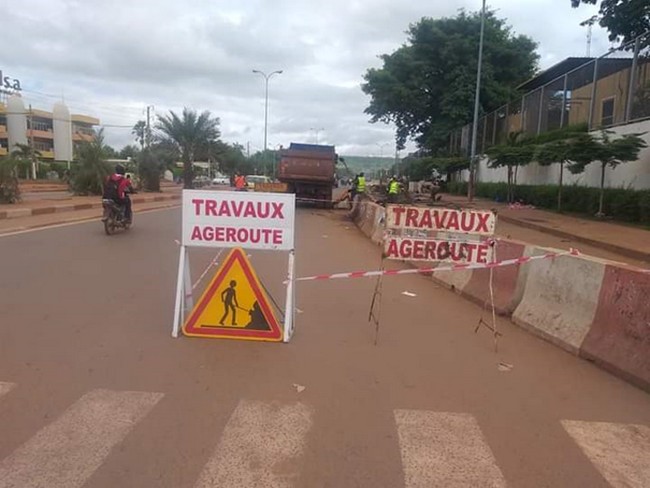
column 611, row 90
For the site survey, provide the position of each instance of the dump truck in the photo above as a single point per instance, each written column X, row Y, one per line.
column 309, row 171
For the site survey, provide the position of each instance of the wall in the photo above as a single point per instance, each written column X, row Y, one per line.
column 634, row 175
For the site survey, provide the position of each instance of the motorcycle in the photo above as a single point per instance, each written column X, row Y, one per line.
column 114, row 218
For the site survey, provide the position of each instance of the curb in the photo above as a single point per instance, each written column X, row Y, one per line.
column 623, row 251
column 29, row 212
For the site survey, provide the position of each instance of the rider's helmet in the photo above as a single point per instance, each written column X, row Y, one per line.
column 120, row 170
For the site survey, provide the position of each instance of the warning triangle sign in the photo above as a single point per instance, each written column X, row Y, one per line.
column 234, row 305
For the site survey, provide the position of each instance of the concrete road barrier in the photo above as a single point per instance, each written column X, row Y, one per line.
column 619, row 338
column 475, row 284
column 560, row 299
column 588, row 306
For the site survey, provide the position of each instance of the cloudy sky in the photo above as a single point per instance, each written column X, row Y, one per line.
column 112, row 58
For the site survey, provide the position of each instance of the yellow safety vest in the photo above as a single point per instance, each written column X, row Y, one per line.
column 361, row 184
column 393, row 188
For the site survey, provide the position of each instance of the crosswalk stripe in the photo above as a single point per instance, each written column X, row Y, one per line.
column 260, row 446
column 620, row 452
column 67, row 452
column 5, row 388
column 445, row 449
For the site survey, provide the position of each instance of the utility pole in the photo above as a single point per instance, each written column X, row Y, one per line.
column 472, row 160
column 147, row 136
column 31, row 141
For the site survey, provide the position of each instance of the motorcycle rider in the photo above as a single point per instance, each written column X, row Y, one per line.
column 117, row 188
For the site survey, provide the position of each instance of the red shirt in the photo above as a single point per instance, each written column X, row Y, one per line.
column 240, row 182
column 123, row 183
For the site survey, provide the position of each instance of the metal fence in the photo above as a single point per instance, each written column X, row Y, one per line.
column 611, row 90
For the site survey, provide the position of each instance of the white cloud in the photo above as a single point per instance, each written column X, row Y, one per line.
column 111, row 59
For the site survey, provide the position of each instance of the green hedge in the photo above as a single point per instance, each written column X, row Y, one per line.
column 621, row 204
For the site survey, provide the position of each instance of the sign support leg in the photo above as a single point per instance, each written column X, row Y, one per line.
column 187, row 291
column 179, row 291
column 289, row 305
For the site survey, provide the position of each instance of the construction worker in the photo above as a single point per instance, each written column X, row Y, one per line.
column 393, row 190
column 240, row 182
column 361, row 184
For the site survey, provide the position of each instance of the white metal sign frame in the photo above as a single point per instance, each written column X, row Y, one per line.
column 227, row 219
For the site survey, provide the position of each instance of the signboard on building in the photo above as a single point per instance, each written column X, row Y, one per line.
column 439, row 234
column 9, row 84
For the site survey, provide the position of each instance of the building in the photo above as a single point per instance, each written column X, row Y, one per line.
column 611, row 92
column 54, row 134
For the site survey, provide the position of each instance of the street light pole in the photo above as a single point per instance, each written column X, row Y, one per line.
column 472, row 160
column 381, row 148
column 317, row 131
column 266, row 100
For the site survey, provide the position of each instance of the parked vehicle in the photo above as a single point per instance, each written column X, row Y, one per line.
column 201, row 181
column 309, row 170
column 251, row 180
column 221, row 180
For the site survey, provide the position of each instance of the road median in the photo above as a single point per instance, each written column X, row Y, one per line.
column 41, row 207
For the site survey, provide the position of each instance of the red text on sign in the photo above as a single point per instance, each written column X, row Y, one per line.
column 444, row 220
column 241, row 235
column 430, row 250
column 229, row 208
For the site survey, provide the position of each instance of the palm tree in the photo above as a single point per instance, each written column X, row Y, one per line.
column 139, row 130
column 92, row 169
column 188, row 134
column 26, row 156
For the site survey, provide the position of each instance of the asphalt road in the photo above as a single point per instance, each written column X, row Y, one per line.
column 94, row 392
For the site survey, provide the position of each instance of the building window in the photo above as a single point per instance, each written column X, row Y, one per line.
column 607, row 112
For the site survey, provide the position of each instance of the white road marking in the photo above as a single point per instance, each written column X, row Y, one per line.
column 260, row 446
column 6, row 388
column 67, row 452
column 84, row 220
column 446, row 450
column 621, row 452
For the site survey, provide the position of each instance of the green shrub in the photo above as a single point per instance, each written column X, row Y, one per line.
column 620, row 203
column 43, row 170
column 9, row 188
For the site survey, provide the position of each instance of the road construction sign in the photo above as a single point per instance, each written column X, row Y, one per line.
column 234, row 305
column 238, row 219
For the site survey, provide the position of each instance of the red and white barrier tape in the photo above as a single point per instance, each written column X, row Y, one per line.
column 455, row 267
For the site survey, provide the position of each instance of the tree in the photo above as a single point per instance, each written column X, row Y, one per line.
column 426, row 87
column 9, row 187
column 609, row 152
column 188, row 134
column 514, row 153
column 149, row 170
column 128, row 151
column 91, row 172
column 140, row 132
column 559, row 146
column 110, row 152
column 25, row 157
column 625, row 20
